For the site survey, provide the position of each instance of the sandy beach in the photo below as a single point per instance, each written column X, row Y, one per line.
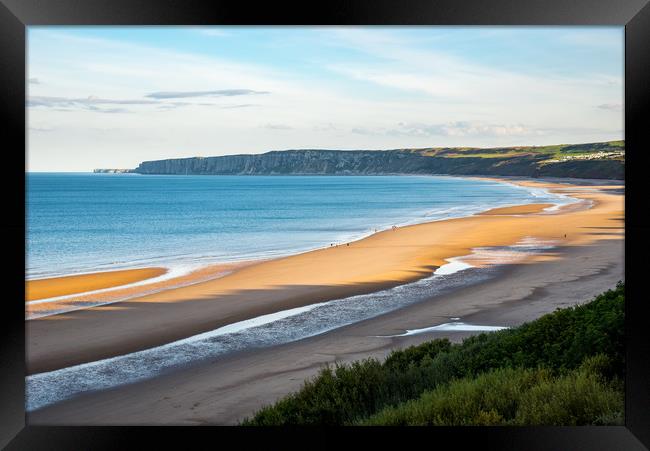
column 227, row 389
column 384, row 259
column 588, row 260
column 61, row 286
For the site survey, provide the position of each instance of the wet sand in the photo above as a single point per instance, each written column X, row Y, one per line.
column 382, row 260
column 229, row 388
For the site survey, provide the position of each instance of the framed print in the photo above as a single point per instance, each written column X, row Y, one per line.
column 356, row 214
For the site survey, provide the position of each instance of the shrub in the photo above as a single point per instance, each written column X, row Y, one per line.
column 559, row 342
column 514, row 396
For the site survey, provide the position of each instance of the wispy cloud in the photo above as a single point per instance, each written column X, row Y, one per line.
column 464, row 128
column 367, row 131
column 217, row 93
column 278, row 127
column 90, row 103
column 611, row 106
column 96, row 104
column 334, row 87
column 329, row 127
column 47, row 101
column 451, row 129
column 449, row 76
column 41, row 129
column 172, row 105
column 243, row 105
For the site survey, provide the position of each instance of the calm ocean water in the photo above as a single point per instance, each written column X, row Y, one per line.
column 79, row 222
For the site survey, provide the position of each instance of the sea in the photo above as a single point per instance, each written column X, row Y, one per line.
column 80, row 223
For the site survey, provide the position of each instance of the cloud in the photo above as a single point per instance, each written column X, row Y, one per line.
column 91, row 103
column 329, row 127
column 112, row 110
column 365, row 131
column 243, row 105
column 218, row 93
column 173, row 105
column 611, row 106
column 447, row 95
column 34, row 81
column 97, row 104
column 462, row 129
column 278, row 127
column 41, row 129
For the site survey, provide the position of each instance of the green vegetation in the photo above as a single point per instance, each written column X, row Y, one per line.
column 593, row 160
column 547, row 152
column 564, row 368
column 515, row 396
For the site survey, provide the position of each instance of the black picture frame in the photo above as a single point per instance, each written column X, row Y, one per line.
column 16, row 15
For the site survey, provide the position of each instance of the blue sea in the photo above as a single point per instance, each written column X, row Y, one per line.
column 84, row 222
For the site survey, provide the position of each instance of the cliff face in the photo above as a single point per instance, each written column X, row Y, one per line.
column 363, row 162
column 291, row 162
column 376, row 163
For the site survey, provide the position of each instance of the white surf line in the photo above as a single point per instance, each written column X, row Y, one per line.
column 544, row 192
column 243, row 325
column 44, row 392
column 448, row 327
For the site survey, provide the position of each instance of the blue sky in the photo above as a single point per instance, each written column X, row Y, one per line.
column 115, row 96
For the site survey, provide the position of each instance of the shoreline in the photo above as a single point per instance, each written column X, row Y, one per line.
column 112, row 291
column 390, row 258
column 223, row 391
column 276, row 328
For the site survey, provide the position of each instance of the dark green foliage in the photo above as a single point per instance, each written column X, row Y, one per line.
column 516, row 396
column 559, row 342
column 413, row 356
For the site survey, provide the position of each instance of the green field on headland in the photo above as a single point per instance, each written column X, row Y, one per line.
column 565, row 368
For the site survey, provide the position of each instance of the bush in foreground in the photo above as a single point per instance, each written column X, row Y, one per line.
column 558, row 342
column 515, row 396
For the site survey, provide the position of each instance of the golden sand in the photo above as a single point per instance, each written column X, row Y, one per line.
column 517, row 210
column 61, row 286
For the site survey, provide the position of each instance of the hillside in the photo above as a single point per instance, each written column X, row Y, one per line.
column 565, row 368
column 595, row 160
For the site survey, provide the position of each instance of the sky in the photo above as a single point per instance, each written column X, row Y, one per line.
column 112, row 97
